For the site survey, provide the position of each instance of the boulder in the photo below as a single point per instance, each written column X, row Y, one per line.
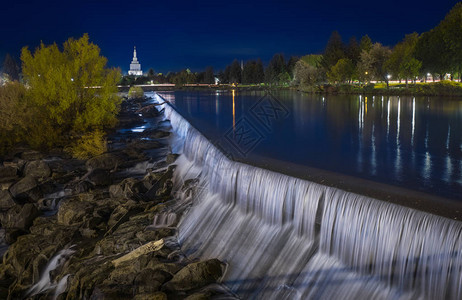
column 7, row 172
column 151, row 296
column 31, row 155
column 20, row 217
column 196, row 275
column 100, row 177
column 25, row 189
column 171, row 158
column 106, row 161
column 73, row 210
column 6, row 200
column 37, row 169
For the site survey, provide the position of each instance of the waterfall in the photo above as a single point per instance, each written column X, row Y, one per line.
column 287, row 238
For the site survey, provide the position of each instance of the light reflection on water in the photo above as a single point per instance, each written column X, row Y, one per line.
column 414, row 142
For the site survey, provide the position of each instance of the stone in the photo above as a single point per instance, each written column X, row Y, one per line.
column 25, row 188
column 37, row 169
column 151, row 296
column 171, row 158
column 106, row 161
column 6, row 200
column 7, row 172
column 100, row 177
column 20, row 217
column 31, row 155
column 148, row 280
column 196, row 275
column 73, row 210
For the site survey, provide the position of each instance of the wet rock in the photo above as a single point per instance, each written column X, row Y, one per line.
column 171, row 158
column 196, row 275
column 26, row 189
column 20, row 217
column 106, row 161
column 159, row 134
column 146, row 248
column 6, row 200
column 128, row 188
column 37, row 169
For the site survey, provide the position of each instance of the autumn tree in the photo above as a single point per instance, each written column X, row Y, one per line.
column 71, row 90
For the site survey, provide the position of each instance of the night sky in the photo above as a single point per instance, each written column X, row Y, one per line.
column 172, row 35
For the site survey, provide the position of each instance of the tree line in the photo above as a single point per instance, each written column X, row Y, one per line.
column 437, row 52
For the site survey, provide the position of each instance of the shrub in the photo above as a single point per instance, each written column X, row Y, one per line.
column 13, row 112
column 135, row 92
column 90, row 144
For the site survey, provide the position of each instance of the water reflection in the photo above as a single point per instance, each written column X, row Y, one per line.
column 408, row 141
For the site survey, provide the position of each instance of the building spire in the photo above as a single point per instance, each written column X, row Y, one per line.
column 134, row 53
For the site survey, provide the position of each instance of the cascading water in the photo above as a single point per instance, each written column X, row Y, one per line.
column 287, row 238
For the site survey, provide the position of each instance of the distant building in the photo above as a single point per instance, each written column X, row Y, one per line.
column 135, row 66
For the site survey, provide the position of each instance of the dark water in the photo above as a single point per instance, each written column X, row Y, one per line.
column 412, row 142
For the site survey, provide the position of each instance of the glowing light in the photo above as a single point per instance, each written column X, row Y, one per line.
column 388, row 76
column 234, row 112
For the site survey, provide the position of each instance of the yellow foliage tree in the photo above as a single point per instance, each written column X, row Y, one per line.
column 71, row 90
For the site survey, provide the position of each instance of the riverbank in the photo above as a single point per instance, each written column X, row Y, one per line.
column 443, row 88
column 102, row 228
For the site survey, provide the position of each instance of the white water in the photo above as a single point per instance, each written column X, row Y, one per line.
column 286, row 238
column 45, row 282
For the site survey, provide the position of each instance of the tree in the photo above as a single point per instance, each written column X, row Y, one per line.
column 402, row 54
column 342, row 71
column 151, row 73
column 380, row 55
column 70, row 90
column 275, row 67
column 291, row 65
column 364, row 69
column 365, row 44
column 451, row 29
column 10, row 67
column 209, row 76
column 235, row 72
column 259, row 74
column 353, row 51
column 335, row 50
column 308, row 71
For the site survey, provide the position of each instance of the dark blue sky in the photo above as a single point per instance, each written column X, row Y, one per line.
column 172, row 35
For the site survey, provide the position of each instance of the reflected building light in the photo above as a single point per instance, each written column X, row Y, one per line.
column 398, row 162
column 398, row 122
column 427, row 167
column 448, row 138
column 448, row 171
column 426, row 137
column 388, row 118
column 374, row 155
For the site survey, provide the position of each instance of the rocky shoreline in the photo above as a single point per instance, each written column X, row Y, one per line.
column 102, row 228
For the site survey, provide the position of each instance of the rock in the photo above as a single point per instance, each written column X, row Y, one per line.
column 31, row 155
column 128, row 188
column 8, row 172
column 6, row 200
column 100, row 177
column 106, row 161
column 148, row 280
column 196, row 275
column 151, row 296
column 146, row 248
column 25, row 189
column 159, row 134
column 73, row 210
column 171, row 158
column 37, row 169
column 20, row 217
